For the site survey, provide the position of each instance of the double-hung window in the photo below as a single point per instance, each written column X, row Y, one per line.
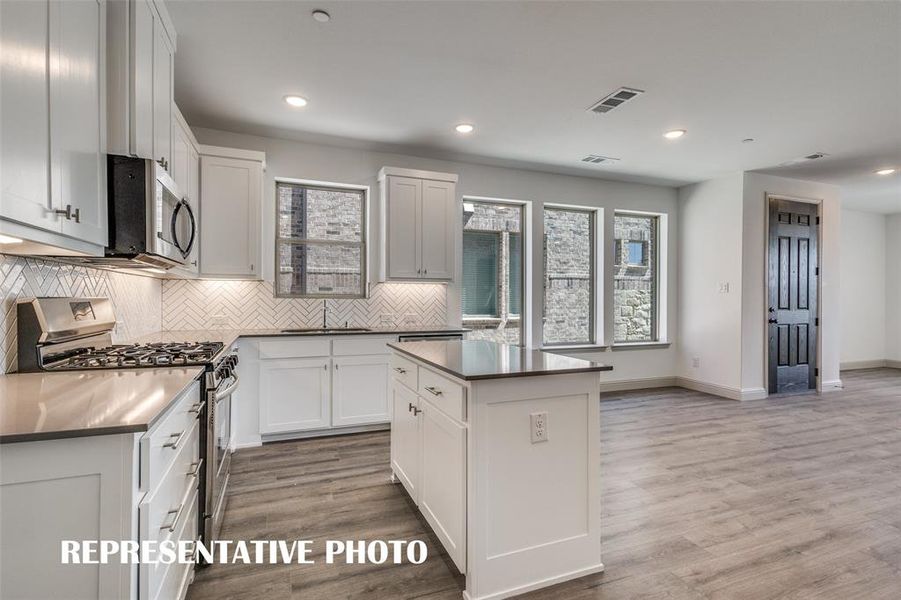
column 635, row 277
column 320, row 241
column 569, row 276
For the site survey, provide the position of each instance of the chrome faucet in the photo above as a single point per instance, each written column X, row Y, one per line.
column 324, row 313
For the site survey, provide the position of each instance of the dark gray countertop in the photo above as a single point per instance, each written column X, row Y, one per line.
column 48, row 405
column 473, row 360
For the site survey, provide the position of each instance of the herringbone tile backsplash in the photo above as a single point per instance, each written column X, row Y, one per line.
column 252, row 305
column 137, row 300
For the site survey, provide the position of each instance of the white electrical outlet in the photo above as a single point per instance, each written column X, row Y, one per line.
column 724, row 287
column 411, row 319
column 386, row 320
column 539, row 427
column 695, row 362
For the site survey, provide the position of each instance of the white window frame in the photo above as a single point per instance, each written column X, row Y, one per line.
column 598, row 295
column 364, row 230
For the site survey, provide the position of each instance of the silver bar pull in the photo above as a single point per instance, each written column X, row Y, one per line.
column 177, row 513
column 197, row 407
column 416, row 411
column 196, row 471
column 174, row 439
column 433, row 390
column 401, row 371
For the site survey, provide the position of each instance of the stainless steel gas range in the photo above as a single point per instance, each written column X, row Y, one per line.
column 75, row 334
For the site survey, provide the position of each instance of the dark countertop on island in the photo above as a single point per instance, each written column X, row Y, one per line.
column 472, row 360
column 54, row 405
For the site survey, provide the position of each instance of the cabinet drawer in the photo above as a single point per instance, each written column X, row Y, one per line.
column 295, row 348
column 157, row 451
column 360, row 346
column 404, row 371
column 164, row 507
column 447, row 395
column 165, row 582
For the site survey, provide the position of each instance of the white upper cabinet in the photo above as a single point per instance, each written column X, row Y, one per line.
column 231, row 190
column 185, row 170
column 53, row 123
column 140, row 76
column 162, row 95
column 418, row 224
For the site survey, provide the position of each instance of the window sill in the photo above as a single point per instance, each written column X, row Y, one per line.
column 574, row 348
column 640, row 346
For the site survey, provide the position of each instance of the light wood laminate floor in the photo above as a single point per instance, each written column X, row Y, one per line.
column 702, row 498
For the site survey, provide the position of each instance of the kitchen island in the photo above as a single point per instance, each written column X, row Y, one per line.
column 499, row 447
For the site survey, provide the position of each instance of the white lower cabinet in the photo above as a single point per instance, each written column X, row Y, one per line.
column 405, row 438
column 294, row 394
column 360, row 390
column 428, row 456
column 442, row 491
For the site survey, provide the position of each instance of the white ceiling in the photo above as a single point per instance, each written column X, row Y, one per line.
column 798, row 77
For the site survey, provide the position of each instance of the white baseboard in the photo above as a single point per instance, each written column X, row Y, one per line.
column 300, row 435
column 754, row 393
column 715, row 389
column 862, row 364
column 637, row 384
column 536, row 585
column 893, row 364
column 833, row 385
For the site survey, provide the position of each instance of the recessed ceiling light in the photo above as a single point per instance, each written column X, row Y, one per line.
column 296, row 101
column 8, row 239
column 674, row 134
column 885, row 171
column 464, row 128
column 321, row 16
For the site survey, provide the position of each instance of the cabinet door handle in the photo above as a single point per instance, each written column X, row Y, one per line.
column 399, row 370
column 325, row 367
column 69, row 214
column 195, row 472
column 197, row 407
column 416, row 411
column 177, row 513
column 174, row 439
column 336, row 366
column 433, row 390
column 410, row 407
column 425, row 271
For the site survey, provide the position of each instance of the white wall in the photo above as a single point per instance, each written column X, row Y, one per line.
column 710, row 246
column 754, row 301
column 288, row 158
column 893, row 290
column 863, row 290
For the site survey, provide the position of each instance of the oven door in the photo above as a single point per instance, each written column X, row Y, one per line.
column 218, row 441
column 172, row 220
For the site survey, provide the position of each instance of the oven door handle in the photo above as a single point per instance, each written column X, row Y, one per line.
column 220, row 394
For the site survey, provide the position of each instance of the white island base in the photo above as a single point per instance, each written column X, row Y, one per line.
column 513, row 514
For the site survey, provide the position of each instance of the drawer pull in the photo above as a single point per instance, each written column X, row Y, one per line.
column 410, row 407
column 433, row 390
column 197, row 465
column 174, row 439
column 177, row 513
column 197, row 407
column 401, row 371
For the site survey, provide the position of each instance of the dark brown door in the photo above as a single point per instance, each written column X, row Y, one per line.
column 792, row 314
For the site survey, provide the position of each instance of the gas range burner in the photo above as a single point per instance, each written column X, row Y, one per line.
column 159, row 354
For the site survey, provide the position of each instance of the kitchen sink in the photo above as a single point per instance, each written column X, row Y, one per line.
column 313, row 330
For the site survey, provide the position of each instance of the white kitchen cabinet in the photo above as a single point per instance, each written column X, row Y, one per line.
column 442, row 489
column 439, row 219
column 294, row 394
column 140, row 75
column 53, row 122
column 405, row 438
column 231, row 189
column 360, row 390
column 186, row 173
column 418, row 216
column 163, row 71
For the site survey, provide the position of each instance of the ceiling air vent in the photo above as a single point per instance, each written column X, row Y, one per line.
column 803, row 159
column 597, row 159
column 611, row 101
